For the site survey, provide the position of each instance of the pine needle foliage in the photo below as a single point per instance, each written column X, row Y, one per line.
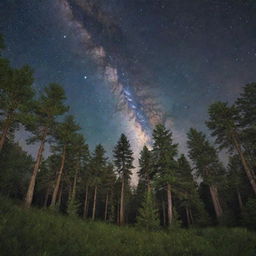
column 148, row 216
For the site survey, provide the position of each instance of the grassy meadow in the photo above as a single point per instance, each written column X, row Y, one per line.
column 34, row 232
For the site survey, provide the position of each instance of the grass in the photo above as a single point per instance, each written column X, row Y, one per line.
column 34, row 232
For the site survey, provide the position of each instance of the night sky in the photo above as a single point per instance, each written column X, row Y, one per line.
column 129, row 64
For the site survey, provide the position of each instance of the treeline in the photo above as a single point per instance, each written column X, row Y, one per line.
column 172, row 190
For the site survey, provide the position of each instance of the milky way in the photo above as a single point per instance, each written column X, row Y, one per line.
column 105, row 42
column 128, row 65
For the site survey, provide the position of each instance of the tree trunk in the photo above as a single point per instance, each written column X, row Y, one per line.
column 6, row 127
column 218, row 200
column 112, row 206
column 94, row 203
column 86, row 201
column 69, row 192
column 240, row 201
column 247, row 169
column 59, row 197
column 74, row 186
column 121, row 215
column 31, row 187
column 188, row 217
column 148, row 185
column 191, row 216
column 118, row 213
column 58, row 179
column 215, row 200
column 164, row 215
column 46, row 196
column 106, row 208
column 169, row 204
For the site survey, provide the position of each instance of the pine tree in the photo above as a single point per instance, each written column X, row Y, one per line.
column 145, row 172
column 86, row 181
column 148, row 215
column 42, row 124
column 165, row 165
column 97, row 166
column 72, row 207
column 222, row 123
column 237, row 182
column 188, row 195
column 246, row 106
column 208, row 166
column 65, row 133
column 123, row 161
column 108, row 181
column 80, row 152
column 16, row 97
column 78, row 161
column 47, row 175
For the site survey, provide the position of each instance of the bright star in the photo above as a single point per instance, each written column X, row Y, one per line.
column 85, row 77
column 64, row 36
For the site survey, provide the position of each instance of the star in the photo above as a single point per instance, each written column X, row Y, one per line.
column 85, row 77
column 65, row 36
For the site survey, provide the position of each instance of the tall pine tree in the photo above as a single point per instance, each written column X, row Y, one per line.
column 123, row 161
column 43, row 124
column 222, row 123
column 64, row 135
column 164, row 151
column 97, row 166
column 208, row 166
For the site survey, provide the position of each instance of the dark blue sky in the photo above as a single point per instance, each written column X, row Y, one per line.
column 126, row 65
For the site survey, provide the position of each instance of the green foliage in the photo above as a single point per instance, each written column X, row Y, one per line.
column 16, row 96
column 204, row 157
column 46, row 176
column 222, row 123
column 208, row 166
column 145, row 172
column 249, row 214
column 236, row 185
column 235, row 171
column 164, row 163
column 77, row 157
column 65, row 131
column 47, row 108
column 16, row 90
column 2, row 46
column 246, row 105
column 164, row 152
column 72, row 208
column 40, row 232
column 123, row 158
column 188, row 196
column 98, row 164
column 148, row 215
column 15, row 167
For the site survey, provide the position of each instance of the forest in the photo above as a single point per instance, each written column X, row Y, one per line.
column 83, row 202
